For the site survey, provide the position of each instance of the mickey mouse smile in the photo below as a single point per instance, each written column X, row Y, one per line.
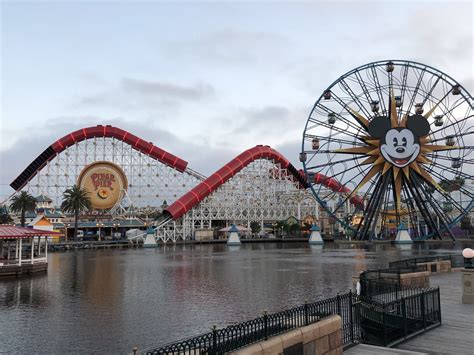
column 400, row 148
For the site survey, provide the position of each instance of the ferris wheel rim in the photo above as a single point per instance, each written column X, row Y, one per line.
column 466, row 95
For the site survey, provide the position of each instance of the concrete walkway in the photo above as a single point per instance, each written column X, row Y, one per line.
column 363, row 349
column 456, row 334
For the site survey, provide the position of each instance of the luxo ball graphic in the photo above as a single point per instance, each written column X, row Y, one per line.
column 106, row 183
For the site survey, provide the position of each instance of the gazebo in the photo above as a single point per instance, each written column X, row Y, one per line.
column 21, row 250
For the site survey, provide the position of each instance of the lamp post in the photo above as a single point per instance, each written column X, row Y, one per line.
column 468, row 277
column 468, row 254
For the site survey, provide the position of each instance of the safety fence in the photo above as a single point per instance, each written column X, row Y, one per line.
column 220, row 341
column 390, row 323
column 456, row 261
column 385, row 313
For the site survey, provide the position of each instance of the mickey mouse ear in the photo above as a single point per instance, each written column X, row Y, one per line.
column 378, row 126
column 419, row 125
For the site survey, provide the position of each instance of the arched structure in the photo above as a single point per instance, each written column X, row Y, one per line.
column 154, row 175
column 259, row 185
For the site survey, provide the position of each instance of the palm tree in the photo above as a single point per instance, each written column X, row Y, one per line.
column 76, row 200
column 22, row 203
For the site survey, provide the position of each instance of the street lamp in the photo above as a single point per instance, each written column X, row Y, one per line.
column 468, row 254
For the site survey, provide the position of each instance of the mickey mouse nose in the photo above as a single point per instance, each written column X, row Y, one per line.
column 400, row 150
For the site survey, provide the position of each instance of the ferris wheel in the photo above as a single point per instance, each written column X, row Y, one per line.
column 397, row 138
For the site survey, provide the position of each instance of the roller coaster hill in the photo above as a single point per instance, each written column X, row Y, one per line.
column 259, row 185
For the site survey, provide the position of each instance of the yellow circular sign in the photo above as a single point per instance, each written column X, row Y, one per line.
column 105, row 182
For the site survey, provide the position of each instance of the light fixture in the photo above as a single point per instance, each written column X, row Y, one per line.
column 468, row 254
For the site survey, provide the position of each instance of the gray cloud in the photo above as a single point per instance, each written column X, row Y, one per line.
column 231, row 46
column 133, row 93
column 144, row 87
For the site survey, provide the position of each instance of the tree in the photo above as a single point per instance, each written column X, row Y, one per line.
column 76, row 200
column 23, row 203
column 255, row 227
column 4, row 216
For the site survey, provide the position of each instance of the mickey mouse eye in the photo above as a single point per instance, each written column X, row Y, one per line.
column 404, row 141
column 395, row 142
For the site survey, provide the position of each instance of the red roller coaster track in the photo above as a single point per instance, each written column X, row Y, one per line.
column 213, row 182
column 198, row 193
column 92, row 132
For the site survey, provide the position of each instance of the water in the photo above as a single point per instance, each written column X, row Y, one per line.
column 108, row 301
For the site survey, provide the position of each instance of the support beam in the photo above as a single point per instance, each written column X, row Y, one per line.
column 20, row 251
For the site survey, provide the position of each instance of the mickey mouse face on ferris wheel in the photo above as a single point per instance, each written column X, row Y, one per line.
column 399, row 146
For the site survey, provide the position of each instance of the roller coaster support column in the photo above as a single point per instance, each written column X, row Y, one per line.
column 150, row 240
column 233, row 238
column 315, row 237
column 402, row 235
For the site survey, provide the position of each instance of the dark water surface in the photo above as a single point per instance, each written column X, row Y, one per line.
column 108, row 301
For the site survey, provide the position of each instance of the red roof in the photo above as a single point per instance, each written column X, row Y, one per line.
column 7, row 231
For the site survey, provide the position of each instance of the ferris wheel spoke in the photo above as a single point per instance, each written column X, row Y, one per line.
column 341, row 117
column 415, row 90
column 423, row 207
column 337, row 129
column 430, row 92
column 462, row 134
column 310, row 137
column 403, row 89
column 333, row 163
column 458, row 122
column 378, row 88
column 354, row 98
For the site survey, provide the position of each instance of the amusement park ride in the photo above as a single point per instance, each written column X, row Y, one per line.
column 400, row 135
column 390, row 141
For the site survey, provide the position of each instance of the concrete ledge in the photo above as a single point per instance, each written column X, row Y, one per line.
column 323, row 337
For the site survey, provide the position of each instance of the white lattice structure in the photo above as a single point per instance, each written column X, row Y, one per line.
column 151, row 181
column 263, row 192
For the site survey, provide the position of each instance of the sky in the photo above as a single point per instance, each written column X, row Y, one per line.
column 202, row 80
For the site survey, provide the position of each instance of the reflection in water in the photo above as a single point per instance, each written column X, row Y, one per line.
column 110, row 300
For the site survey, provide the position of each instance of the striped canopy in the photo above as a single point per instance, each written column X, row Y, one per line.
column 9, row 232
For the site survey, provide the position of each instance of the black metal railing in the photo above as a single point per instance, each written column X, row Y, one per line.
column 385, row 313
column 220, row 341
column 390, row 323
column 456, row 261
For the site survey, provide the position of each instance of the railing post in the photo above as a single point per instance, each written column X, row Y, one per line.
column 384, row 325
column 422, row 301
column 265, row 324
column 439, row 305
column 351, row 318
column 306, row 315
column 338, row 298
column 404, row 314
column 214, row 340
